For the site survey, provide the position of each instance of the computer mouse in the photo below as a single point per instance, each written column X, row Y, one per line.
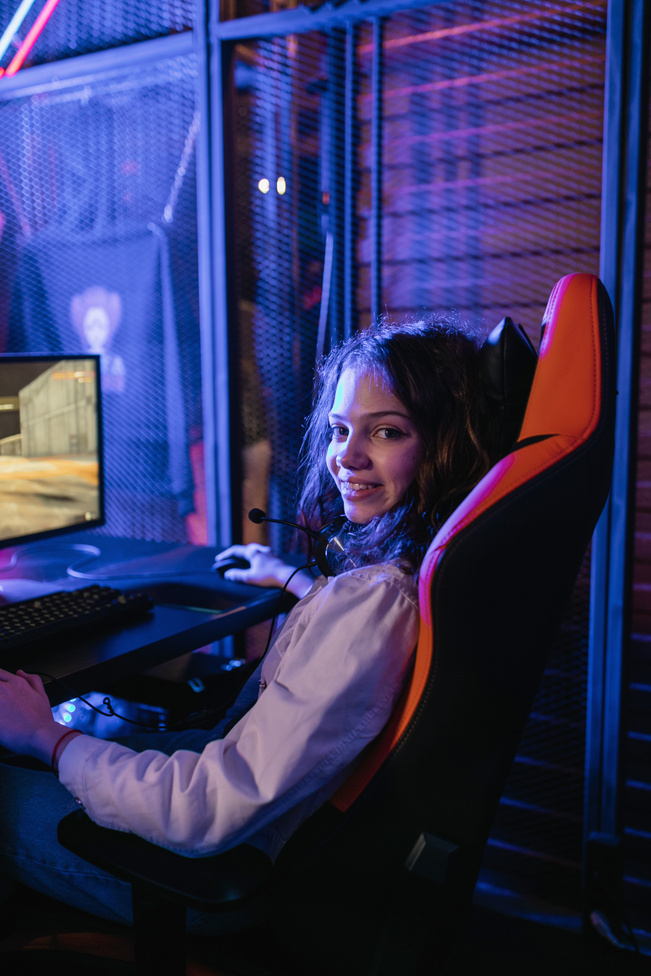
column 230, row 562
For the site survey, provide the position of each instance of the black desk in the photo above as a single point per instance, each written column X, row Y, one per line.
column 193, row 606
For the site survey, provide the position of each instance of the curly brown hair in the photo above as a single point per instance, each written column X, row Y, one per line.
column 433, row 368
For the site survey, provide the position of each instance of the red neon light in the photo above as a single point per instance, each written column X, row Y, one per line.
column 32, row 36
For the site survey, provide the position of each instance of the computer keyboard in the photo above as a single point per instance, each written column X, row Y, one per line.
column 87, row 610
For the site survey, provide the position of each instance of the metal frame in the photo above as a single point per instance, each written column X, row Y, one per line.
column 337, row 121
column 350, row 184
column 622, row 237
column 100, row 64
column 376, row 169
column 298, row 20
column 207, row 311
column 217, row 374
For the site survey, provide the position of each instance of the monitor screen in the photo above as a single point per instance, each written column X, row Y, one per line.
column 51, row 475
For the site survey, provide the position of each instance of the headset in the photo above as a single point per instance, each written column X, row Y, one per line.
column 328, row 543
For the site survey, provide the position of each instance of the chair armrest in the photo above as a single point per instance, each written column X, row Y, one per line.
column 218, row 883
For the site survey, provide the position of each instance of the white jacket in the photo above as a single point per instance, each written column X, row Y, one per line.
column 329, row 684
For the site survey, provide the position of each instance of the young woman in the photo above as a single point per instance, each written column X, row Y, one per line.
column 396, row 438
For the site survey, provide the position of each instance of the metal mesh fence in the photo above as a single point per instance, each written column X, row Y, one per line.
column 98, row 253
column 492, row 117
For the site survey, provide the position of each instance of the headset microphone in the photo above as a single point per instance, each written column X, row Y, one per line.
column 324, row 541
column 257, row 515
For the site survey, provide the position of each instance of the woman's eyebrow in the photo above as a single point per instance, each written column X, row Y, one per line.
column 375, row 415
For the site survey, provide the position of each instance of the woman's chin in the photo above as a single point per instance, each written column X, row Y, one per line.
column 360, row 514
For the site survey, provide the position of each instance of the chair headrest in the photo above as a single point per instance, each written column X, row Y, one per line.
column 508, row 362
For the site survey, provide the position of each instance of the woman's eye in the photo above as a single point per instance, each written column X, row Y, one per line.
column 337, row 431
column 389, row 433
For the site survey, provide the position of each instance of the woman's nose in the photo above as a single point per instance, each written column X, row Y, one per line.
column 353, row 454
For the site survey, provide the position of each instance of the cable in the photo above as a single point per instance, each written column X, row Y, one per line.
column 106, row 701
column 298, row 569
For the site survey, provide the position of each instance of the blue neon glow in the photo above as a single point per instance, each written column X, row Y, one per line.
column 14, row 24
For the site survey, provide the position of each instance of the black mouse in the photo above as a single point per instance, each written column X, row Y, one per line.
column 230, row 562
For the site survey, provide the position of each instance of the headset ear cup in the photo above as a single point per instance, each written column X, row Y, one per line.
column 330, row 548
column 321, row 555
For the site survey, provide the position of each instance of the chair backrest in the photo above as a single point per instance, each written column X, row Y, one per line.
column 379, row 880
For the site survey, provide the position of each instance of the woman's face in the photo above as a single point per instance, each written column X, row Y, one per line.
column 375, row 450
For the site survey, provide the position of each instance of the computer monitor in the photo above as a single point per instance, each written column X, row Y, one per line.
column 51, row 472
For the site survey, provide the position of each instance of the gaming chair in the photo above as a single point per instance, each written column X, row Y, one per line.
column 380, row 879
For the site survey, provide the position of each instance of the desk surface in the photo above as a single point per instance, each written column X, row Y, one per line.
column 192, row 605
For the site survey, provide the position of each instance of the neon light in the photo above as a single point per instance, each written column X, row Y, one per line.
column 14, row 24
column 32, row 37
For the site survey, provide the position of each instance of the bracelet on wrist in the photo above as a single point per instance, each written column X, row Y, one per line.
column 53, row 762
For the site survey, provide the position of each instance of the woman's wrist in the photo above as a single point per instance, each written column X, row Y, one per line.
column 48, row 742
column 61, row 745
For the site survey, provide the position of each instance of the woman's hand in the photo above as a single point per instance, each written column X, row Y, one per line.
column 265, row 569
column 26, row 722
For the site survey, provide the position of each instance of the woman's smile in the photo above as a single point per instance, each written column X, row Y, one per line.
column 375, row 449
column 350, row 487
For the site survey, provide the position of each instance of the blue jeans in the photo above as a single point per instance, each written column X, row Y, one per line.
column 32, row 802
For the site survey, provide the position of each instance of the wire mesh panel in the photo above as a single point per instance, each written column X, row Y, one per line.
column 36, row 32
column 98, row 253
column 282, row 200
column 492, row 118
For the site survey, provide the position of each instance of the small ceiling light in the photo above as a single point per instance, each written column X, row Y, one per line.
column 281, row 185
column 263, row 186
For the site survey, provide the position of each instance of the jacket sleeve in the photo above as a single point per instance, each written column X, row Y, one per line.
column 331, row 692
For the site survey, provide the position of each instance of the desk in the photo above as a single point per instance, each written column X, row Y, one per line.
column 192, row 605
